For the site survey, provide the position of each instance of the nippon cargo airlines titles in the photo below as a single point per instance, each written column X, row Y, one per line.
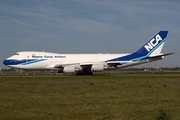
column 83, row 64
column 48, row 56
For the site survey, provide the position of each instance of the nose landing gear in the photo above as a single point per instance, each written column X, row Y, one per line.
column 22, row 73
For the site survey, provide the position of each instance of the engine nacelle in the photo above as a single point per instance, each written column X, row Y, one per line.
column 69, row 69
column 97, row 67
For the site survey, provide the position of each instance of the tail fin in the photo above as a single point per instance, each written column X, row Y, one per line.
column 154, row 45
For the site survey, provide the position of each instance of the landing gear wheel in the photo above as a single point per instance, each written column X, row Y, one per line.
column 90, row 73
column 79, row 73
column 84, row 73
column 22, row 74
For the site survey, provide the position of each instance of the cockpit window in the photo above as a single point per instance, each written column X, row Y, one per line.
column 17, row 54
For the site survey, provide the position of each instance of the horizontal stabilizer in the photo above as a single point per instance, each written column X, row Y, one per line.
column 162, row 55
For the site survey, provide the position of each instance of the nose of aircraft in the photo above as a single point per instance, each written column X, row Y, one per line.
column 5, row 62
column 8, row 62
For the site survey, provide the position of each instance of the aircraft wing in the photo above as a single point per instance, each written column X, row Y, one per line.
column 87, row 67
column 80, row 64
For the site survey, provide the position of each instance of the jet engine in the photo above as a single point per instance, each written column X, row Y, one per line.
column 69, row 69
column 97, row 67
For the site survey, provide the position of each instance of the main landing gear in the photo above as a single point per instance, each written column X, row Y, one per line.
column 84, row 73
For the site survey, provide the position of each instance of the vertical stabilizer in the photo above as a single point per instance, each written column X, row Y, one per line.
column 154, row 45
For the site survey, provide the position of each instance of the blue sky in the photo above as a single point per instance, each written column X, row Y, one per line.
column 88, row 26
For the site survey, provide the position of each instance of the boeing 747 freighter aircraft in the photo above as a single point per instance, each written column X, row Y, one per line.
column 88, row 63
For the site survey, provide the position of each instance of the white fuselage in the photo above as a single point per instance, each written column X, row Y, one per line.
column 47, row 61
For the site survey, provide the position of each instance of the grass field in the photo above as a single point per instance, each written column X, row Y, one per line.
column 89, row 97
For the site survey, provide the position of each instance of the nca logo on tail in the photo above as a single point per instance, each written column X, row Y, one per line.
column 153, row 43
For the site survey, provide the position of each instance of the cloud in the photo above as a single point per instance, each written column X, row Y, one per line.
column 22, row 23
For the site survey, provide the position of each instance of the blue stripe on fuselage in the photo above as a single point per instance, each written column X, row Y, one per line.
column 35, row 61
column 21, row 62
